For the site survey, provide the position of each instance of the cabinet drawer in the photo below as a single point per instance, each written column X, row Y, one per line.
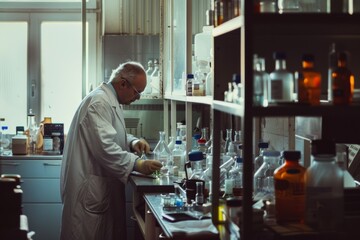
column 44, row 220
column 32, row 168
column 41, row 190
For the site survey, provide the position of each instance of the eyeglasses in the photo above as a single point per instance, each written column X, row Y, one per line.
column 138, row 94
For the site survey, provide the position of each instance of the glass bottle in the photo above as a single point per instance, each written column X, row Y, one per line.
column 236, row 90
column 178, row 155
column 342, row 82
column 31, row 132
column 332, row 64
column 288, row 6
column 289, row 181
column 236, row 174
column 189, row 84
column 155, row 78
column 163, row 154
column 149, row 70
column 209, row 83
column 4, row 138
column 237, row 142
column 199, row 83
column 228, row 139
column 324, row 187
column 261, row 78
column 263, row 177
column 309, row 85
column 199, row 197
column 258, row 161
column 281, row 83
column 196, row 159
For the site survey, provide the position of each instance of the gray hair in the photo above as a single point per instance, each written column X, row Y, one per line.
column 128, row 70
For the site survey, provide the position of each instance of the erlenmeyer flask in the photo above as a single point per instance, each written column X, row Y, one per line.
column 163, row 154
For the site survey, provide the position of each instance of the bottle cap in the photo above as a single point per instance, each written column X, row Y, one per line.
column 279, row 55
column 270, row 153
column 195, row 156
column 308, row 57
column 263, row 145
column 190, row 75
column 239, row 159
column 179, row 142
column 291, row 155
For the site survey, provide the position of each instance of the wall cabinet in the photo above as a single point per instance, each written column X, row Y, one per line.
column 41, row 194
column 234, row 44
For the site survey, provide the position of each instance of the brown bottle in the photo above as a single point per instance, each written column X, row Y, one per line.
column 290, row 189
column 309, row 81
column 342, row 82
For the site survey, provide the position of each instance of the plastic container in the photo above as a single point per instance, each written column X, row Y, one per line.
column 203, row 44
column 324, row 187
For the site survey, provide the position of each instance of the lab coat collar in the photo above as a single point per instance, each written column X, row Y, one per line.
column 110, row 91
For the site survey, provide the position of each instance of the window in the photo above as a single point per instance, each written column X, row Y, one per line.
column 41, row 64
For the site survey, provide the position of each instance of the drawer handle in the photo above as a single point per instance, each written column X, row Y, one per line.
column 52, row 164
column 9, row 164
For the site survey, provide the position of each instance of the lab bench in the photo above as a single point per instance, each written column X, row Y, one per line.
column 147, row 184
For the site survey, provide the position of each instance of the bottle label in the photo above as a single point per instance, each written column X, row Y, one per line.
column 276, row 89
column 323, row 210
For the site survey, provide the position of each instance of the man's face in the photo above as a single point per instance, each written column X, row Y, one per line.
column 129, row 92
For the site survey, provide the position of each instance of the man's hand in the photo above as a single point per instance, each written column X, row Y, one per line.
column 140, row 145
column 147, row 167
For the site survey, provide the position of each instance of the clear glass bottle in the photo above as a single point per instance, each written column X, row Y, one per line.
column 261, row 78
column 199, row 83
column 289, row 181
column 149, row 70
column 236, row 174
column 163, row 154
column 258, row 161
column 288, row 6
column 281, row 83
column 342, row 82
column 236, row 91
column 309, row 84
column 196, row 159
column 332, row 64
column 155, row 78
column 189, row 84
column 178, row 156
column 31, row 132
column 324, row 187
column 264, row 176
column 209, row 83
column 4, row 138
column 238, row 142
column 199, row 197
column 1, row 136
column 228, row 139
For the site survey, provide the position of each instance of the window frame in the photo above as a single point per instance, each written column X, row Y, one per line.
column 34, row 20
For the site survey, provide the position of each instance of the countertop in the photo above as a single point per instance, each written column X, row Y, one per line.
column 150, row 184
column 7, row 155
column 189, row 229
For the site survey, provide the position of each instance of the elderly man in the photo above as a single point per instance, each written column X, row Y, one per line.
column 98, row 159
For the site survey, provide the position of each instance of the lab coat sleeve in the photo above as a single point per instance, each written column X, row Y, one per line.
column 107, row 144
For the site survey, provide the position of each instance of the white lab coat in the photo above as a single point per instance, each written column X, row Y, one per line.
column 95, row 168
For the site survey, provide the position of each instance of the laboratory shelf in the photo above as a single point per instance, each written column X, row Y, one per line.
column 228, row 26
column 227, row 107
column 207, row 100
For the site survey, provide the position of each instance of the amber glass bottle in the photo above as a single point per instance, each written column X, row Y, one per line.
column 309, row 84
column 290, row 189
column 342, row 82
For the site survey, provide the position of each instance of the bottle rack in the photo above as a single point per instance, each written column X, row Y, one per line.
column 234, row 43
